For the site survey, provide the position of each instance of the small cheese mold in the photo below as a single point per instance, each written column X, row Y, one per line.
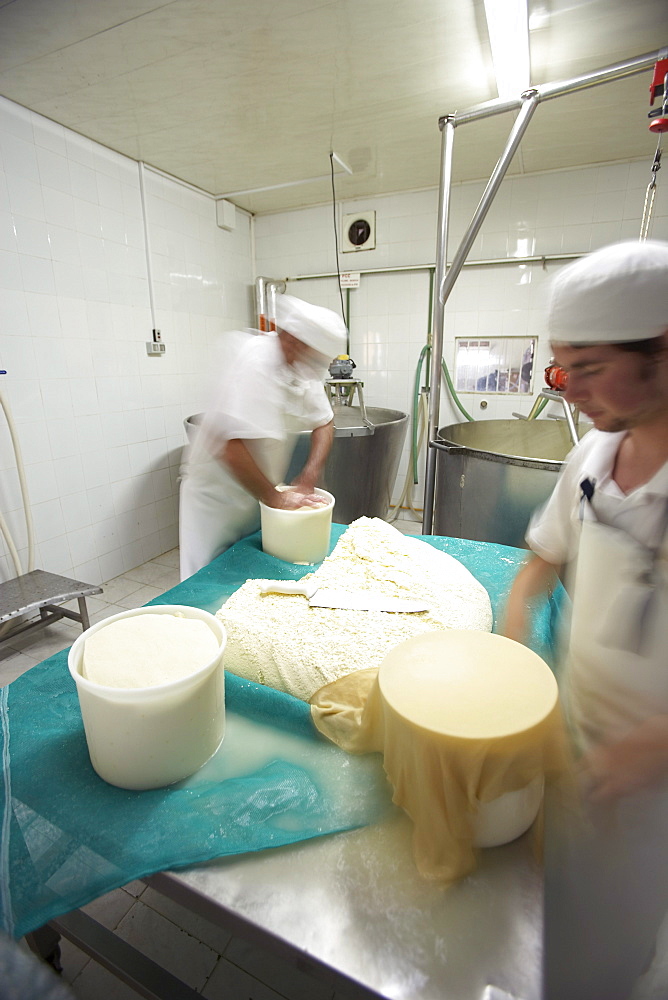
column 299, row 536
column 159, row 733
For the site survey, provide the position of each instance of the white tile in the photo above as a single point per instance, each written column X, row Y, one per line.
column 37, row 274
column 10, row 271
column 67, row 279
column 110, row 909
column 42, row 484
column 13, row 663
column 25, row 197
column 7, row 232
column 53, row 555
column 165, row 943
column 80, row 543
column 170, row 558
column 69, row 475
column 140, row 597
column 54, row 170
column 154, row 575
column 95, row 982
column 107, row 612
column 96, row 471
column 43, row 642
column 48, row 519
column 76, row 512
column 111, row 564
column 136, row 888
column 19, row 157
column 215, row 937
column 120, row 587
column 277, row 972
column 83, row 181
column 228, row 982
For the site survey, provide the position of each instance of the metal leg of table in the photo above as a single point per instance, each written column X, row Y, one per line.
column 45, row 943
column 83, row 611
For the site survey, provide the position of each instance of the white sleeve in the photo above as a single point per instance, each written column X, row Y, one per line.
column 249, row 397
column 317, row 407
column 554, row 528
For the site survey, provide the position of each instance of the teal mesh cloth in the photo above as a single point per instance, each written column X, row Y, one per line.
column 68, row 837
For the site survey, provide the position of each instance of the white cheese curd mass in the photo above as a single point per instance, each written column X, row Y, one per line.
column 147, row 650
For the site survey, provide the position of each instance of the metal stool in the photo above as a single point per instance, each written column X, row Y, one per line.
column 42, row 591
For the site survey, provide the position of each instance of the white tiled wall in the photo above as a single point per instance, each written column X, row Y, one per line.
column 568, row 211
column 100, row 423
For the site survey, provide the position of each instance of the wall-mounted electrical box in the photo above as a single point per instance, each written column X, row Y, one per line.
column 153, row 348
column 226, row 214
column 358, row 232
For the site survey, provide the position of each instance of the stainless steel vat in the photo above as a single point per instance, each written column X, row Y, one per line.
column 363, row 463
column 492, row 474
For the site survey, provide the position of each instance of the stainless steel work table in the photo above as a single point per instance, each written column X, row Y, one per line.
column 350, row 909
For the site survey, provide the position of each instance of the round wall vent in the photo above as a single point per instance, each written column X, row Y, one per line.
column 359, row 232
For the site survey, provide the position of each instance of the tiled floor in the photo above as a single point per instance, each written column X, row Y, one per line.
column 208, row 959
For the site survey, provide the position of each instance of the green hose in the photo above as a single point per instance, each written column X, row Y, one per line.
column 457, row 400
column 426, row 350
column 539, row 409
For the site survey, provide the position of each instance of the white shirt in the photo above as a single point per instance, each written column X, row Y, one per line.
column 265, row 402
column 554, row 529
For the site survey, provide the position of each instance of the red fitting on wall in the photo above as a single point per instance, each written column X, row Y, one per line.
column 658, row 120
column 656, row 86
column 556, row 377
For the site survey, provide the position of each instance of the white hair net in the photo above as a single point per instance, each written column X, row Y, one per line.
column 614, row 295
column 317, row 327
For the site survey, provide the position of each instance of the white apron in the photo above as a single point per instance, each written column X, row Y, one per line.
column 215, row 510
column 617, row 672
column 606, row 880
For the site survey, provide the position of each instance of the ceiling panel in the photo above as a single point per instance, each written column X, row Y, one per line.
column 230, row 95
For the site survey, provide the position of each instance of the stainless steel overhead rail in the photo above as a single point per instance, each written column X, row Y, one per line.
column 446, row 276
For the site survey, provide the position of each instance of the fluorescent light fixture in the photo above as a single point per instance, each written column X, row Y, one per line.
column 508, row 29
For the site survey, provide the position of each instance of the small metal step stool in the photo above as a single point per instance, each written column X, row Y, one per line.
column 43, row 592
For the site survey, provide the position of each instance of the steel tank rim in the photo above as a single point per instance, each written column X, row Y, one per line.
column 445, row 444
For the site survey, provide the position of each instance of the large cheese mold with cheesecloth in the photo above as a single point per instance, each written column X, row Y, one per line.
column 469, row 726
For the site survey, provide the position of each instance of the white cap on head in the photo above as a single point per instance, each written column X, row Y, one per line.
column 614, row 295
column 317, row 327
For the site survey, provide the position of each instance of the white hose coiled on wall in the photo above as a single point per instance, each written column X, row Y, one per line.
column 26, row 500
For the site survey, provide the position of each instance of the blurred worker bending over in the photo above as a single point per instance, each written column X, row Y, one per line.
column 270, row 390
column 606, row 527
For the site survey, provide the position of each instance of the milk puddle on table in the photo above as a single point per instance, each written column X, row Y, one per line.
column 353, row 786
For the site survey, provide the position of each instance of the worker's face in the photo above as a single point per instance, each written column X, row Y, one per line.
column 295, row 351
column 616, row 389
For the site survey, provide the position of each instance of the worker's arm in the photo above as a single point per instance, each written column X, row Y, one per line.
column 238, row 459
column 636, row 763
column 321, row 443
column 536, row 577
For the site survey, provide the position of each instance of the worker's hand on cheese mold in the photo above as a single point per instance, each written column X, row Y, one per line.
column 294, row 498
